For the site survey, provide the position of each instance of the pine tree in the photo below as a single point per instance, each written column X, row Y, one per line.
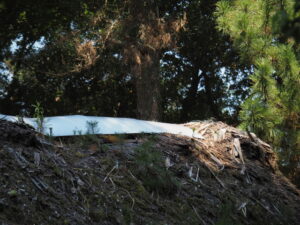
column 273, row 108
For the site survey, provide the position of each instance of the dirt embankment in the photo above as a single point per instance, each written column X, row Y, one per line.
column 230, row 177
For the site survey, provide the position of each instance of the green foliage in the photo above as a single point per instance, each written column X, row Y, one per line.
column 273, row 107
column 91, row 134
column 257, row 116
column 39, row 117
column 224, row 217
column 192, row 77
column 3, row 80
column 204, row 78
column 92, row 127
column 83, row 139
column 150, row 169
column 28, row 21
column 286, row 22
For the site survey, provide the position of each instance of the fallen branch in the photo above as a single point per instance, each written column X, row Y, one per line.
column 266, row 208
column 132, row 199
column 238, row 149
column 217, row 161
column 198, row 215
column 107, row 175
column 222, row 184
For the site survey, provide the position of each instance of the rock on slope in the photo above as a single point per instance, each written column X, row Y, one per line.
column 227, row 178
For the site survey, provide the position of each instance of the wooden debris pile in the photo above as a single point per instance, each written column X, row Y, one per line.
column 229, row 177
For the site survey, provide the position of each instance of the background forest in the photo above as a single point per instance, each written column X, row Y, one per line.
column 174, row 61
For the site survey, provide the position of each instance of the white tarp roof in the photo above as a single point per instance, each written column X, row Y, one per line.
column 78, row 124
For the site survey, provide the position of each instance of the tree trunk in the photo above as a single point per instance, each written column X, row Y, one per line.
column 147, row 79
column 209, row 96
column 189, row 101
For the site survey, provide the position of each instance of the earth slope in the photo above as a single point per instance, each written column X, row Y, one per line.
column 229, row 177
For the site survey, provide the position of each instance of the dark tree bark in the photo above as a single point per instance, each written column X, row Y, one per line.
column 147, row 79
column 209, row 96
column 147, row 32
column 189, row 101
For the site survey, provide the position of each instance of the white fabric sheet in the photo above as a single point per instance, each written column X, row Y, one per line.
column 78, row 124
